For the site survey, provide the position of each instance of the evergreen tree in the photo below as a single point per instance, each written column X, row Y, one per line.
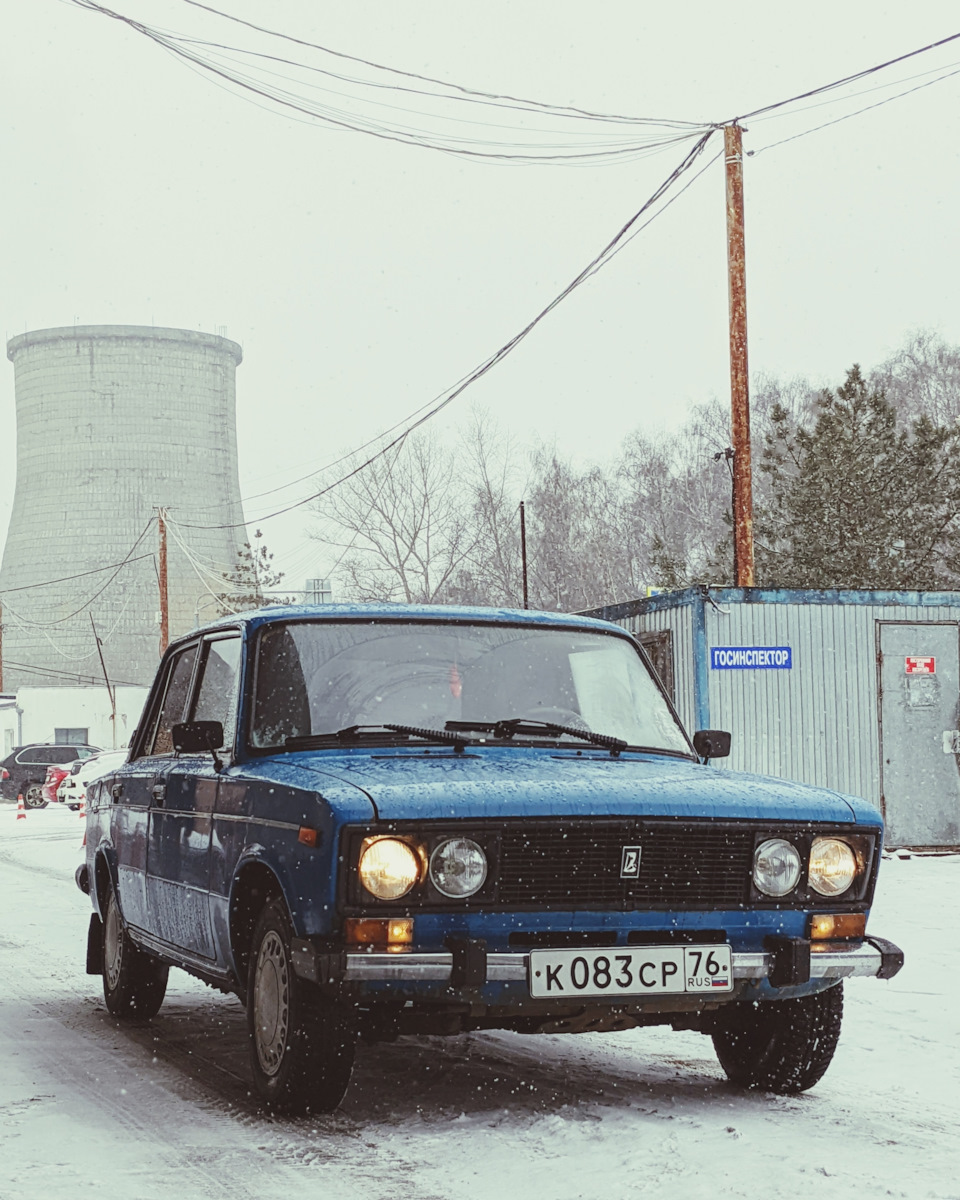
column 252, row 579
column 853, row 500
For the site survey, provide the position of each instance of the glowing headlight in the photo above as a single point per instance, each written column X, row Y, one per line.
column 458, row 867
column 833, row 866
column 388, row 868
column 776, row 867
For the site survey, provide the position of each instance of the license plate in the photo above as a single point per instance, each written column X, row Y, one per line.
column 630, row 971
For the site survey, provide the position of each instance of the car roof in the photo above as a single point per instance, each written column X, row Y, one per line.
column 439, row 613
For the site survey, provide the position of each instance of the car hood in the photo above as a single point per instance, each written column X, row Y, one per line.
column 526, row 781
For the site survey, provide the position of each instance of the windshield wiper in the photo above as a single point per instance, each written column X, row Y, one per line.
column 351, row 734
column 513, row 725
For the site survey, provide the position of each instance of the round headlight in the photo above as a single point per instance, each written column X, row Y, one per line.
column 833, row 866
column 388, row 868
column 458, row 867
column 776, row 867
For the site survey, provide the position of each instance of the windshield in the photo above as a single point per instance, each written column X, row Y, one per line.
column 317, row 677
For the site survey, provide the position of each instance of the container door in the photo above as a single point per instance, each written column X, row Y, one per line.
column 919, row 763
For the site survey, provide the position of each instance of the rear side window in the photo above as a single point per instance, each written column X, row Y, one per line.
column 37, row 755
column 174, row 702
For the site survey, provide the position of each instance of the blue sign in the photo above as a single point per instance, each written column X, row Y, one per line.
column 751, row 658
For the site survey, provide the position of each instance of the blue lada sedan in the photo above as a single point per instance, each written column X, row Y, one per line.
column 373, row 821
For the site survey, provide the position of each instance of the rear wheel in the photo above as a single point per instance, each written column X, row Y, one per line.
column 302, row 1044
column 134, row 982
column 783, row 1046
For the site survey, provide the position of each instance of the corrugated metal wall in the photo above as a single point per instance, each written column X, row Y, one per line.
column 817, row 722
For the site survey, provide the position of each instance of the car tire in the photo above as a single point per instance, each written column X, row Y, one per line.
column 301, row 1043
column 134, row 982
column 782, row 1046
column 33, row 796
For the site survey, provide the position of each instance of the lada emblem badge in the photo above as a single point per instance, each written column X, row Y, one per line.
column 630, row 862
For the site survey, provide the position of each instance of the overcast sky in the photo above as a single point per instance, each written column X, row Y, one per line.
column 364, row 277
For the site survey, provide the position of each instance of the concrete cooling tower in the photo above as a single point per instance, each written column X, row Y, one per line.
column 113, row 423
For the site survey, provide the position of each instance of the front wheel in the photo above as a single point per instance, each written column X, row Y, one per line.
column 782, row 1046
column 134, row 982
column 33, row 796
column 302, row 1044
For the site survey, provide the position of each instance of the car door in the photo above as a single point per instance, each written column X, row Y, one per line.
column 183, row 799
column 132, row 788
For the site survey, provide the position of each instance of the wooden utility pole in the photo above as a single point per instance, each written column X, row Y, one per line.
column 1, row 647
column 111, row 690
column 162, row 573
column 739, row 379
column 523, row 551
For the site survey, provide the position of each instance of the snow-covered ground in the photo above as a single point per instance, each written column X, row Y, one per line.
column 162, row 1109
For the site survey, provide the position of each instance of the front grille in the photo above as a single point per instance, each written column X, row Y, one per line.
column 682, row 864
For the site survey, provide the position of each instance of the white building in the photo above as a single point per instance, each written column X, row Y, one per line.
column 79, row 715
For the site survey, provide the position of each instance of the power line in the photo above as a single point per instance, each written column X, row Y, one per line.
column 847, row 116
column 600, row 260
column 827, row 87
column 207, row 56
column 51, row 673
column 125, row 562
column 25, row 587
column 466, row 93
column 879, row 87
column 440, row 402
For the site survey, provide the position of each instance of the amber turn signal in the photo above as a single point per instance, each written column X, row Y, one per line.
column 307, row 835
column 378, row 931
column 837, row 925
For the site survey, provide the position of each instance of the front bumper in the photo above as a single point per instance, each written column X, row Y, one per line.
column 788, row 962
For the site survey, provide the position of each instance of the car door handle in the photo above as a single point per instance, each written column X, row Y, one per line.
column 159, row 792
column 116, row 791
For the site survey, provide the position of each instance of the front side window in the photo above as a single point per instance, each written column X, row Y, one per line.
column 174, row 702
column 217, row 694
column 320, row 677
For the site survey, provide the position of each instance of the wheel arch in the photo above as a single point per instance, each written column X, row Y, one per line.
column 104, row 878
column 255, row 884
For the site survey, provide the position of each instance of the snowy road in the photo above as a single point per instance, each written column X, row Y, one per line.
column 162, row 1109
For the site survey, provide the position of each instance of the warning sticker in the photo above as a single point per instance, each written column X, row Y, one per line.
column 917, row 664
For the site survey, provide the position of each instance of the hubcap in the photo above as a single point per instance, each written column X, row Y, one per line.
column 112, row 946
column 271, row 1003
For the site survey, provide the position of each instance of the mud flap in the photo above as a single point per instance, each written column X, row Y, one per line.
column 95, row 946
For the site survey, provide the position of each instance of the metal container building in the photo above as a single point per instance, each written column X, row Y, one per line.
column 113, row 423
column 853, row 690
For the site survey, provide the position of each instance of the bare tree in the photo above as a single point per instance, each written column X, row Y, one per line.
column 578, row 554
column 403, row 524
column 922, row 379
column 494, row 481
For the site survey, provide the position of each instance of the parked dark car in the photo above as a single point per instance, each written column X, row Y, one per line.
column 24, row 771
column 368, row 822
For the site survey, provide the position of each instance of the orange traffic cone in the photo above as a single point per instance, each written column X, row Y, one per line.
column 21, row 811
column 83, row 808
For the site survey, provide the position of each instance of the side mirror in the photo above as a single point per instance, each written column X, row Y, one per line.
column 195, row 737
column 711, row 743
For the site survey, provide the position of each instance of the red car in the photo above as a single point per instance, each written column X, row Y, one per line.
column 56, row 773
